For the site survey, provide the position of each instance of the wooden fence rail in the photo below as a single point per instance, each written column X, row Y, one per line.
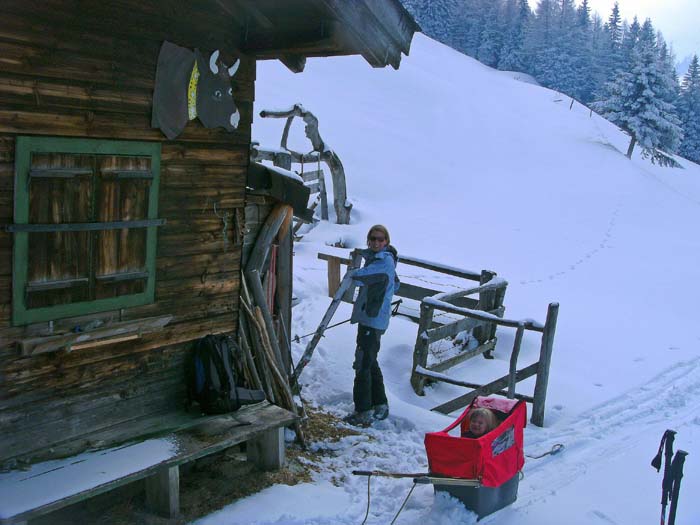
column 504, row 385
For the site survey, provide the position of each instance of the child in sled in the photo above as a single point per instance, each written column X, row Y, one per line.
column 481, row 421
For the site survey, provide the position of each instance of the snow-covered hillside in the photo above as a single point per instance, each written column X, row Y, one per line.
column 470, row 167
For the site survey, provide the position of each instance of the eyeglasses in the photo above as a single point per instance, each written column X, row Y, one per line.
column 377, row 239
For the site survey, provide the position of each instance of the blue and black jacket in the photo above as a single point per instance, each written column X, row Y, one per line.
column 378, row 283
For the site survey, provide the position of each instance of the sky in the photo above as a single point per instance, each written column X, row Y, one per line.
column 676, row 19
column 481, row 169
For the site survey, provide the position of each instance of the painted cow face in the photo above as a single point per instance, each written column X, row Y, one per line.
column 215, row 105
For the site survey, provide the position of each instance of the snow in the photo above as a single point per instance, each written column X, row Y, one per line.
column 51, row 481
column 470, row 168
column 284, row 172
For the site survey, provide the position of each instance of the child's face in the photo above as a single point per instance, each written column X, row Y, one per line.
column 478, row 425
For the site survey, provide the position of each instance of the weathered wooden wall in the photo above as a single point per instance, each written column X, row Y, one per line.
column 86, row 69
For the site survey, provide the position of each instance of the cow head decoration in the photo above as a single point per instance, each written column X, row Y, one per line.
column 188, row 86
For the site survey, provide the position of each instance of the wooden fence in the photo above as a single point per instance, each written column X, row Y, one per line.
column 504, row 385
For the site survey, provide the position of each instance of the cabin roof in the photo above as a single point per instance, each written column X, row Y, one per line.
column 291, row 31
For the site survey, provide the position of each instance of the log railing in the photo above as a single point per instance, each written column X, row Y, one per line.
column 487, row 309
column 504, row 385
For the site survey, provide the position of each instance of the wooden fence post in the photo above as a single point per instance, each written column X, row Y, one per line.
column 420, row 352
column 487, row 302
column 540, row 394
column 333, row 275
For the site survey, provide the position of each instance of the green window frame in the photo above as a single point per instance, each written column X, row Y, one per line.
column 26, row 148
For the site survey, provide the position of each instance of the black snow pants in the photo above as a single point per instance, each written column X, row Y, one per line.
column 368, row 390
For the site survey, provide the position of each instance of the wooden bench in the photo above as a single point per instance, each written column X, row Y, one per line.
column 52, row 485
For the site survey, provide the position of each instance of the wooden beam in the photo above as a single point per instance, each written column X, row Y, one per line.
column 295, row 63
column 107, row 334
column 267, row 450
column 364, row 33
column 490, row 388
column 83, row 226
column 315, row 38
column 396, row 21
column 249, row 10
column 163, row 492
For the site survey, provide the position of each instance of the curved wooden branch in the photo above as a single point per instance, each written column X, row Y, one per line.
column 340, row 197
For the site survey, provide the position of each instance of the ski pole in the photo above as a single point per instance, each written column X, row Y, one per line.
column 676, row 475
column 666, row 445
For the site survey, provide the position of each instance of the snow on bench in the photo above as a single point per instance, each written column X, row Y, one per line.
column 52, row 485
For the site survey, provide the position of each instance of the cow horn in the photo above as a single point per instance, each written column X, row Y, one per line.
column 212, row 62
column 232, row 70
column 235, row 118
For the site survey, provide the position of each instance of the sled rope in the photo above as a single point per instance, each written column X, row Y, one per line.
column 553, row 451
column 404, row 503
column 369, row 477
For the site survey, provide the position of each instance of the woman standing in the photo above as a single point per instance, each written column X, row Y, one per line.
column 372, row 310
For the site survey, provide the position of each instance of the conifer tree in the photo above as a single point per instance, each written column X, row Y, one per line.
column 571, row 50
column 582, row 46
column 517, row 15
column 611, row 60
column 599, row 49
column 634, row 100
column 491, row 40
column 629, row 39
column 689, row 110
column 541, row 42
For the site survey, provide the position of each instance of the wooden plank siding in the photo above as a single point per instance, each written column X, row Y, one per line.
column 87, row 71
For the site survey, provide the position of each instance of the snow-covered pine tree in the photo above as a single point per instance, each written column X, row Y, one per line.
column 630, row 36
column 689, row 111
column 612, row 59
column 491, row 40
column 541, row 41
column 599, row 49
column 634, row 100
column 582, row 45
column 517, row 16
column 570, row 54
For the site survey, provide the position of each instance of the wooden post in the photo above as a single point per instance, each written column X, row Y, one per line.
column 284, row 293
column 267, row 450
column 163, row 492
column 333, row 275
column 283, row 159
column 487, row 302
column 514, row 360
column 324, row 196
column 540, row 395
column 420, row 352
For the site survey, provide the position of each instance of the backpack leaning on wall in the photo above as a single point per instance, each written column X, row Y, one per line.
column 212, row 380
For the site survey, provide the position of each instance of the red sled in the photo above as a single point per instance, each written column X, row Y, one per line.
column 495, row 459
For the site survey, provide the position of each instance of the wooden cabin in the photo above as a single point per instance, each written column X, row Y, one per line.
column 119, row 247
